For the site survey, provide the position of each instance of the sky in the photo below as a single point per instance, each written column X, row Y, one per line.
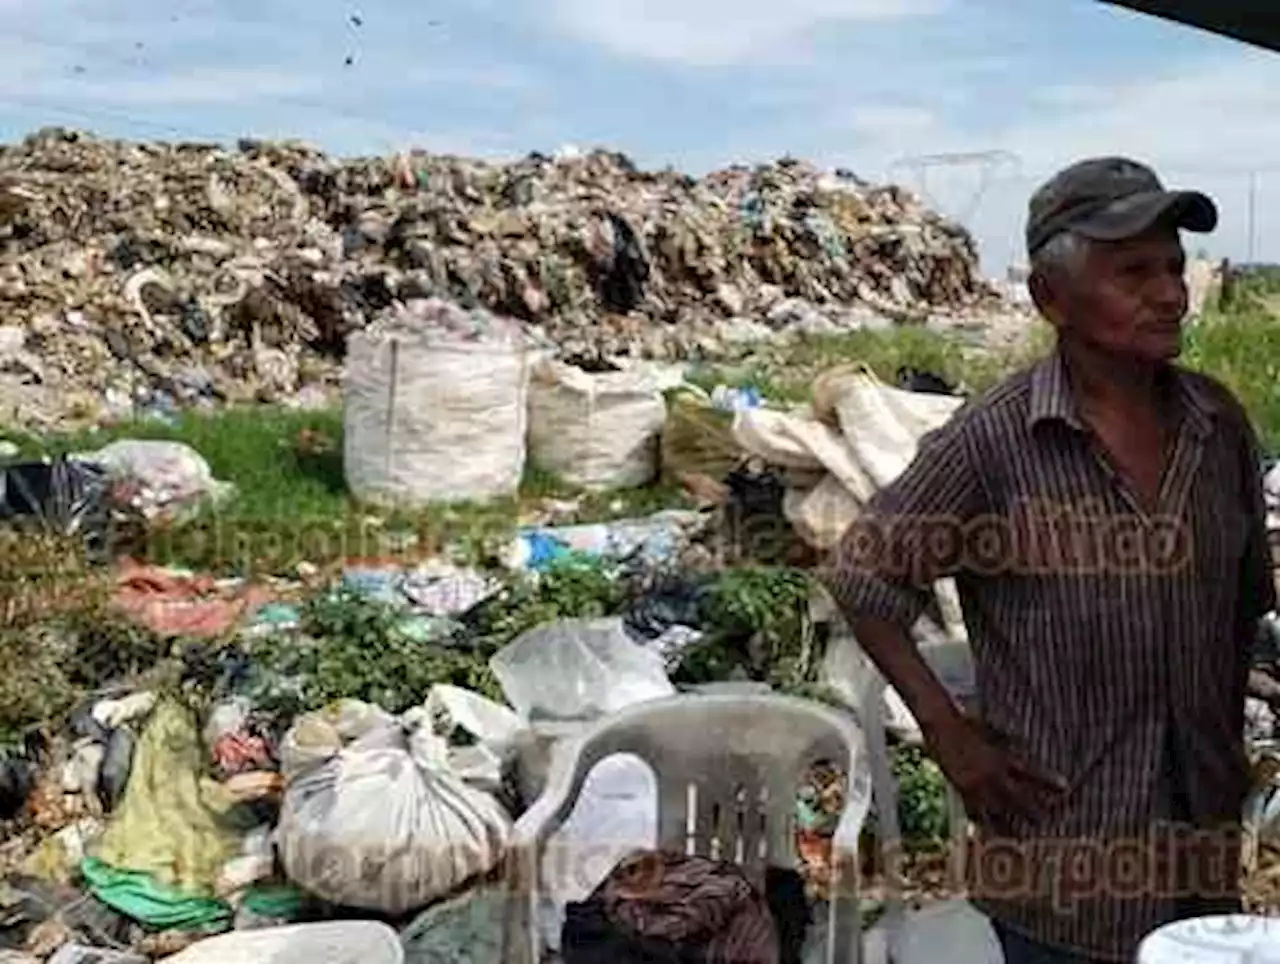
column 882, row 87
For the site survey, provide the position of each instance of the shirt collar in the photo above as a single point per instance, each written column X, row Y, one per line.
column 1052, row 398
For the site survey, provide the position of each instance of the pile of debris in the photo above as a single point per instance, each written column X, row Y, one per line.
column 164, row 275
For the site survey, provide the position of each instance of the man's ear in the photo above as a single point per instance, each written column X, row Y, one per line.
column 1045, row 295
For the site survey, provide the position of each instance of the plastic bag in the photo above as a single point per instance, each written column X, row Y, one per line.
column 851, row 674
column 316, row 738
column 497, row 730
column 59, row 496
column 697, row 438
column 578, row 669
column 385, row 823
column 336, row 942
column 159, row 479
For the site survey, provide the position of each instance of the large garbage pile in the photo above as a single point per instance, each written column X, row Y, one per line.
column 199, row 272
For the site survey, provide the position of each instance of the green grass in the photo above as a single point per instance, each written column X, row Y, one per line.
column 785, row 371
column 1242, row 350
column 292, row 504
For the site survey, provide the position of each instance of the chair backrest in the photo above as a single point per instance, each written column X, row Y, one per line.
column 728, row 768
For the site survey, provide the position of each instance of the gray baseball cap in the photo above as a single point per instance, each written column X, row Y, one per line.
column 1110, row 199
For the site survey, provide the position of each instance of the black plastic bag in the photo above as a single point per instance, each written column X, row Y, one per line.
column 917, row 380
column 60, row 496
column 621, row 285
column 17, row 781
column 1266, row 642
column 674, row 601
column 117, row 764
column 756, row 525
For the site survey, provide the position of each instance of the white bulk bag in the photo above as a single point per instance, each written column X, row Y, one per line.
column 428, row 419
column 386, row 823
column 598, row 431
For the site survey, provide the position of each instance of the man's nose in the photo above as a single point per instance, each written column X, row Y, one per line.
column 1171, row 291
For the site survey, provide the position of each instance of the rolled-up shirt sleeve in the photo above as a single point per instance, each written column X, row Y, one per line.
column 910, row 534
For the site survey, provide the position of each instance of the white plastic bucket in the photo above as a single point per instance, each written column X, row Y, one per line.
column 1226, row 939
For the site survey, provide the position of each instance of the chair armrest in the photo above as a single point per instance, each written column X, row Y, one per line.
column 570, row 765
column 844, row 924
column 571, row 762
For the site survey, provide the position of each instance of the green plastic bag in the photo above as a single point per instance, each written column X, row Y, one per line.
column 139, row 897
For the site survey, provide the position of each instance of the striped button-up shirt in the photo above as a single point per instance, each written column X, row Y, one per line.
column 1110, row 641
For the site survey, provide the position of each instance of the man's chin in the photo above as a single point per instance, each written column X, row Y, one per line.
column 1165, row 346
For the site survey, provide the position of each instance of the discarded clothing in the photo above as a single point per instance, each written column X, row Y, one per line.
column 180, row 604
column 671, row 909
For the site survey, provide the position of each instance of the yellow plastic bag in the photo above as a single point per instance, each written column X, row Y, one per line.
column 169, row 824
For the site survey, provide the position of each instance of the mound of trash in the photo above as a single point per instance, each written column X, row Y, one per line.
column 140, row 271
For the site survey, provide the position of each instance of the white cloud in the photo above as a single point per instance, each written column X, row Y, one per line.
column 892, row 122
column 717, row 32
column 1205, row 126
column 1219, row 115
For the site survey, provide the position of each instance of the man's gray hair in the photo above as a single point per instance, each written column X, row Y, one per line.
column 1063, row 253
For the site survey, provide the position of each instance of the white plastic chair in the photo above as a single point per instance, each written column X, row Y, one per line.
column 728, row 768
column 914, row 936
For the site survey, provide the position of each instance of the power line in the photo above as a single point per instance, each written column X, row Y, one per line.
column 989, row 163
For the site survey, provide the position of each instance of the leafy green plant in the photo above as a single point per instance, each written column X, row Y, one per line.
column 756, row 618
column 922, row 797
column 35, row 686
column 569, row 589
column 355, row 647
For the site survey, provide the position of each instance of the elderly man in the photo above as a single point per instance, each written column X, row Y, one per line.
column 1103, row 518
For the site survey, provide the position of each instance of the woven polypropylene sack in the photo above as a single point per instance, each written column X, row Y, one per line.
column 599, row 431
column 430, row 421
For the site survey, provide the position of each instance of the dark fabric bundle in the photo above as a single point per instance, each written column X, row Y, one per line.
column 657, row 908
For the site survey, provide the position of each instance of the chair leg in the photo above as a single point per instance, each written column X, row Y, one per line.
column 521, row 939
column 844, row 925
column 959, row 823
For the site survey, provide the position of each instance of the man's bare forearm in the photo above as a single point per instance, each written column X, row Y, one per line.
column 902, row 666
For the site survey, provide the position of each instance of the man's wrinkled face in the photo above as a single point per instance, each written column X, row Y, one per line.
column 1127, row 298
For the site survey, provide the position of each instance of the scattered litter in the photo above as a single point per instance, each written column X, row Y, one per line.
column 578, row 669
column 653, row 541
column 467, row 929
column 79, row 954
column 175, row 603
column 161, row 480
column 728, row 399
column 273, row 254
column 440, row 589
